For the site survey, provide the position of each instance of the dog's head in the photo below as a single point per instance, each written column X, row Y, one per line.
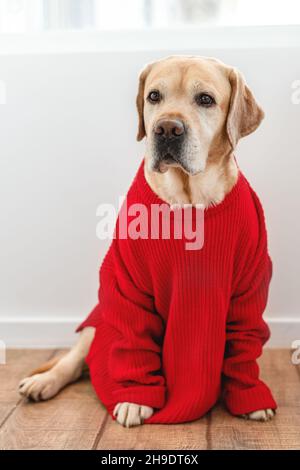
column 191, row 109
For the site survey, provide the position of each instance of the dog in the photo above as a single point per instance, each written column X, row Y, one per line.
column 192, row 111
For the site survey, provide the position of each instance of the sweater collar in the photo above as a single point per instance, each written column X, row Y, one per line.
column 150, row 197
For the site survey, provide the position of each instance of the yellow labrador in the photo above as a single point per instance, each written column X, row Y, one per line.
column 193, row 111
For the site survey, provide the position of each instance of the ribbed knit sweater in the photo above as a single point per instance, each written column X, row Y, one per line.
column 178, row 329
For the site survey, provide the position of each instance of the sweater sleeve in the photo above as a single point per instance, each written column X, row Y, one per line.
column 246, row 333
column 135, row 357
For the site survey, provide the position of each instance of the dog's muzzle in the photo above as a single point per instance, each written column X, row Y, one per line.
column 169, row 136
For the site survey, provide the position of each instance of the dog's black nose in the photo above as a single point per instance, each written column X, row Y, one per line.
column 169, row 128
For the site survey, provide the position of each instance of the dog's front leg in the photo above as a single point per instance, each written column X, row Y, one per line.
column 260, row 415
column 131, row 414
column 245, row 394
column 128, row 341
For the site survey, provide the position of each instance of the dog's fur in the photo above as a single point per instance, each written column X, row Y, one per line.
column 195, row 167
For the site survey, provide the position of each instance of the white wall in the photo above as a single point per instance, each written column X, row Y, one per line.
column 67, row 134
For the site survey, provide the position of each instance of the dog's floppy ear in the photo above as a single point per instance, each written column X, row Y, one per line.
column 244, row 115
column 140, row 101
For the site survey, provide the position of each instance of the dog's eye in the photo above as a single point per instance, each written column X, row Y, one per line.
column 203, row 99
column 154, row 96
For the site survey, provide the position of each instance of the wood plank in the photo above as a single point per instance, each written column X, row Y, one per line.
column 18, row 364
column 75, row 419
column 155, row 436
column 283, row 432
column 5, row 410
column 70, row 421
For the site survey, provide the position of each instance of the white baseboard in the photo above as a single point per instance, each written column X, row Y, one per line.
column 31, row 332
column 57, row 332
column 284, row 331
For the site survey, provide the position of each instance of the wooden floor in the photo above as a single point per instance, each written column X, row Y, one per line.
column 76, row 420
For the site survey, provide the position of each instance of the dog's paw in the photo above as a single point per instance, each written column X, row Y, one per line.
column 131, row 414
column 39, row 386
column 260, row 415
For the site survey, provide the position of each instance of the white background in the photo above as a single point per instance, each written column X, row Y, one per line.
column 67, row 134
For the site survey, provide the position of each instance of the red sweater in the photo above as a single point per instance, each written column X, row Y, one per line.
column 178, row 329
